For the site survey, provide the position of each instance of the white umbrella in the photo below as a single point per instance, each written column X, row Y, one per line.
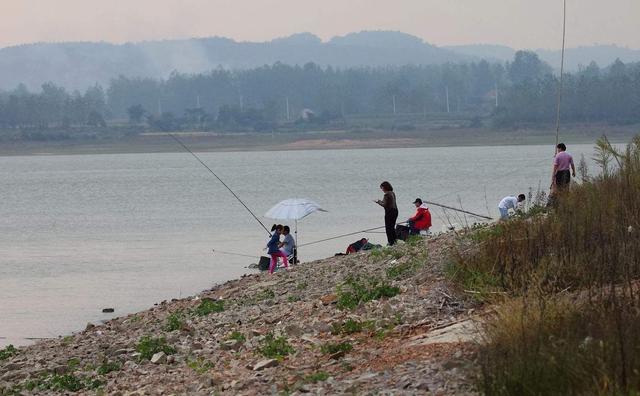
column 293, row 209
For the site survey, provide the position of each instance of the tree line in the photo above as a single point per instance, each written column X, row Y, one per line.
column 266, row 98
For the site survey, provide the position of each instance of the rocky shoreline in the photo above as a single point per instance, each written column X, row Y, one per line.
column 379, row 322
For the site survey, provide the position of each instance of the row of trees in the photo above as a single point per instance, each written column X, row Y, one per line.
column 53, row 106
column 269, row 96
column 591, row 95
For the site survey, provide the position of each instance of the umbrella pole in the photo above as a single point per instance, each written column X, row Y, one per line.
column 295, row 246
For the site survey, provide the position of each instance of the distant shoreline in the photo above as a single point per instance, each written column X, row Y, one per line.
column 321, row 140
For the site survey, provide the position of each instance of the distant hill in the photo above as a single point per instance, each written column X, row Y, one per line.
column 603, row 55
column 78, row 65
column 489, row 52
column 82, row 64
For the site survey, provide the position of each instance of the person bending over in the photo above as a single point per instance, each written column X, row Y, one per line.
column 509, row 202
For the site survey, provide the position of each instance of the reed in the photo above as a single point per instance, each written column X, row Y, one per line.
column 568, row 320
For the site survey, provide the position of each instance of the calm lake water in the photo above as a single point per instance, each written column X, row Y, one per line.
column 84, row 232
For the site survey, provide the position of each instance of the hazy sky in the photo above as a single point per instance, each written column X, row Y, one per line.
column 517, row 23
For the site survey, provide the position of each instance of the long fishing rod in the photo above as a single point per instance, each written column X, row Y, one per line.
column 560, row 83
column 459, row 210
column 234, row 254
column 346, row 235
column 381, row 227
column 341, row 236
column 219, row 179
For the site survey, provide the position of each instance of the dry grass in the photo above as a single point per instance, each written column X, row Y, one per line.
column 570, row 323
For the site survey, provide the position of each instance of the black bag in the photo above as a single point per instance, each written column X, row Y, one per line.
column 263, row 264
column 402, row 232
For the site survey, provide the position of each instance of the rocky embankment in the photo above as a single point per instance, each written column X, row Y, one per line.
column 380, row 322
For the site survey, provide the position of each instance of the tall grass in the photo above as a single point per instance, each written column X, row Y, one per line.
column 571, row 322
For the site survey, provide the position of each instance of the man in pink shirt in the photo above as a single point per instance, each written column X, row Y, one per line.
column 563, row 168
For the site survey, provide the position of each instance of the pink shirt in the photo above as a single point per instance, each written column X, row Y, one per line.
column 563, row 161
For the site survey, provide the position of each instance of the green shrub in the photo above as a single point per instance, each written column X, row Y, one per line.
column 401, row 270
column 208, row 306
column 238, row 336
column 386, row 253
column 8, row 352
column 275, row 348
column 485, row 232
column 200, row 365
column 354, row 292
column 73, row 363
column 108, row 366
column 480, row 284
column 316, row 377
column 331, row 348
column 351, row 326
column 62, row 383
column 414, row 240
column 175, row 321
column 265, row 294
column 148, row 346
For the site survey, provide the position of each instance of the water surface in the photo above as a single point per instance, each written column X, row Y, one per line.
column 83, row 232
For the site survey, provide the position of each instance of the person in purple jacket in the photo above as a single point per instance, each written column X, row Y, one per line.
column 563, row 168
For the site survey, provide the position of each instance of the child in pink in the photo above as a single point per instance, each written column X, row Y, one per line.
column 274, row 250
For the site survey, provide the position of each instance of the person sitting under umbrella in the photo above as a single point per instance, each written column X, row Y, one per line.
column 288, row 245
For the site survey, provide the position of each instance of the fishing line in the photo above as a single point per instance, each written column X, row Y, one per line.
column 220, row 180
column 346, row 235
column 459, row 210
column 233, row 253
column 368, row 230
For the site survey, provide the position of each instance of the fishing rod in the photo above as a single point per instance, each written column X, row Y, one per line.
column 560, row 83
column 234, row 253
column 346, row 235
column 220, row 180
column 459, row 210
column 381, row 227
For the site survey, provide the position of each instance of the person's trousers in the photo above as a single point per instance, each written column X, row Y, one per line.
column 274, row 260
column 504, row 213
column 563, row 178
column 390, row 218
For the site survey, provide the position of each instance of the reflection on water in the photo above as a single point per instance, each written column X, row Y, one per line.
column 80, row 233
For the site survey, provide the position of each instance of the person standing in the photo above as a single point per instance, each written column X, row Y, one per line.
column 388, row 202
column 274, row 250
column 509, row 202
column 563, row 168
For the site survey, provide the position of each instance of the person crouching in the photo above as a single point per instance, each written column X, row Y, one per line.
column 509, row 202
column 421, row 221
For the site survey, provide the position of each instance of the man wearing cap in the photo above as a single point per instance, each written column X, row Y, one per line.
column 421, row 220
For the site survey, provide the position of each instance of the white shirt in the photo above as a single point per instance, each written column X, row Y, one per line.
column 509, row 202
